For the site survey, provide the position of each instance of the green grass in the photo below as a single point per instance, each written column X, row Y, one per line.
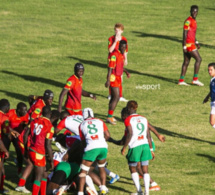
column 42, row 40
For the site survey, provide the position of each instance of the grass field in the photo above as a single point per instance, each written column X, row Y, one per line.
column 42, row 40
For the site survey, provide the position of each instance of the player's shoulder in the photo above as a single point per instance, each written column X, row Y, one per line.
column 111, row 37
column 124, row 38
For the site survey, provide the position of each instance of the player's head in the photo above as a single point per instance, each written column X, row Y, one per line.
column 63, row 114
column 48, row 97
column 211, row 69
column 61, row 138
column 194, row 11
column 55, row 115
column 87, row 113
column 124, row 113
column 118, row 28
column 46, row 112
column 132, row 106
column 4, row 105
column 79, row 70
column 122, row 46
column 21, row 109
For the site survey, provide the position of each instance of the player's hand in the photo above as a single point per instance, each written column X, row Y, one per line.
column 123, row 151
column 205, row 100
column 6, row 155
column 198, row 46
column 161, row 138
column 185, row 50
column 128, row 75
column 118, row 37
column 107, row 84
column 93, row 96
column 125, row 62
column 14, row 133
column 153, row 155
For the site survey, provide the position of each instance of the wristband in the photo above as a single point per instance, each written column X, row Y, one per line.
column 185, row 47
column 197, row 42
column 91, row 95
column 151, row 149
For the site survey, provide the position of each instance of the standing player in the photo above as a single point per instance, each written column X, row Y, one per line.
column 140, row 146
column 95, row 133
column 74, row 91
column 211, row 94
column 190, row 47
column 41, row 133
column 4, row 108
column 35, row 110
column 113, row 44
column 114, row 81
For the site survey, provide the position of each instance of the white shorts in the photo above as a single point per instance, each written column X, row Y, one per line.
column 212, row 107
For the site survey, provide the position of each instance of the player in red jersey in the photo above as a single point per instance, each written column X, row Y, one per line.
column 113, row 44
column 35, row 110
column 190, row 47
column 4, row 154
column 18, row 120
column 115, row 71
column 74, row 91
column 40, row 132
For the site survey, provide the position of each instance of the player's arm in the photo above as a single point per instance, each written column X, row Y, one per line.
column 61, row 97
column 127, row 73
column 49, row 152
column 87, row 94
column 117, row 142
column 3, row 149
column 126, row 59
column 207, row 98
column 159, row 136
column 13, row 132
column 184, row 40
column 107, row 84
column 107, row 135
column 150, row 143
column 128, row 139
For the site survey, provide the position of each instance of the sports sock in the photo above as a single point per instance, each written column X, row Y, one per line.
column 214, row 126
column 36, row 187
column 195, row 77
column 22, row 182
column 89, row 182
column 135, row 178
column 110, row 113
column 146, row 182
column 120, row 91
column 43, row 186
column 80, row 193
column 2, row 182
column 181, row 79
column 109, row 173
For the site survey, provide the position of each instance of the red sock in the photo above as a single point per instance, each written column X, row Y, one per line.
column 36, row 187
column 21, row 182
column 2, row 182
column 43, row 187
column 195, row 78
column 110, row 113
column 120, row 91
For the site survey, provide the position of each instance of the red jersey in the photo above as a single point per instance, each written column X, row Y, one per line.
column 111, row 41
column 4, row 123
column 41, row 129
column 15, row 122
column 191, row 26
column 36, row 109
column 74, row 85
column 117, row 63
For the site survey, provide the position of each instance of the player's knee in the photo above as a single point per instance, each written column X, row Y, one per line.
column 82, row 175
column 101, row 165
column 85, row 168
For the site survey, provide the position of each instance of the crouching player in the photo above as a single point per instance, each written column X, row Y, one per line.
column 140, row 146
column 95, row 132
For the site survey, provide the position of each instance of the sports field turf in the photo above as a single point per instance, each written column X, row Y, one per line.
column 42, row 40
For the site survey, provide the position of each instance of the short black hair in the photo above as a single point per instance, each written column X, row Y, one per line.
column 78, row 66
column 48, row 94
column 124, row 111
column 123, row 42
column 55, row 114
column 21, row 105
column 212, row 64
column 4, row 103
column 63, row 114
column 194, row 7
column 46, row 111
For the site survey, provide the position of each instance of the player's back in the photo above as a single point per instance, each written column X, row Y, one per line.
column 72, row 123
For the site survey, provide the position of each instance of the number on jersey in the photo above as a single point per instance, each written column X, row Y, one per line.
column 93, row 130
column 141, row 128
column 37, row 128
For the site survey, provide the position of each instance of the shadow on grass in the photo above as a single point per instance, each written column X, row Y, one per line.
column 118, row 188
column 209, row 157
column 177, row 135
column 166, row 37
column 15, row 95
column 35, row 79
column 100, row 65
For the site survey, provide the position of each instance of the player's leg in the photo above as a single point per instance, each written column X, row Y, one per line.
column 195, row 54
column 2, row 174
column 135, row 175
column 19, row 155
column 112, row 104
column 39, row 172
column 212, row 120
column 146, row 176
column 185, row 64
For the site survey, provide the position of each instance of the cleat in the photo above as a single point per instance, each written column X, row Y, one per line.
column 122, row 99
column 114, row 119
column 197, row 82
column 183, row 83
column 90, row 191
column 22, row 189
column 103, row 192
column 4, row 191
column 114, row 179
column 111, row 120
column 154, row 188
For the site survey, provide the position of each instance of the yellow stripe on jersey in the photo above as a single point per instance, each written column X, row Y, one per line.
column 187, row 23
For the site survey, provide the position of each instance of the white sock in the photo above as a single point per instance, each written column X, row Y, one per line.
column 109, row 173
column 214, row 126
column 103, row 187
column 135, row 178
column 154, row 184
column 80, row 193
column 146, row 178
column 89, row 182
